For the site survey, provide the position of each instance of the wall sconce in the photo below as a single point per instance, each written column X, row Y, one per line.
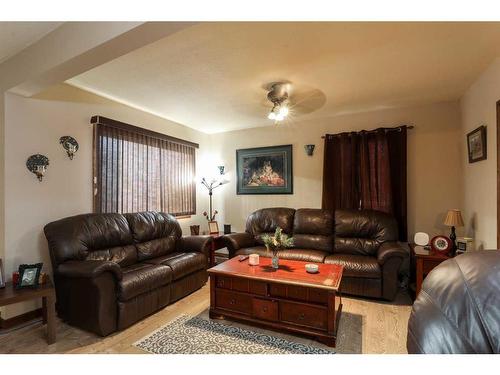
column 309, row 149
column 37, row 164
column 221, row 169
column 70, row 145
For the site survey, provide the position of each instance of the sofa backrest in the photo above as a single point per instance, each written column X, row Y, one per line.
column 266, row 220
column 361, row 232
column 154, row 233
column 313, row 229
column 91, row 236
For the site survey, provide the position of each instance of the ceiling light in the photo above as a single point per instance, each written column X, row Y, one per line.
column 283, row 110
column 271, row 116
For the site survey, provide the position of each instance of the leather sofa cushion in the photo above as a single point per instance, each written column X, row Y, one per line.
column 155, row 233
column 356, row 265
column 306, row 255
column 141, row 278
column 361, row 232
column 313, row 229
column 182, row 264
column 267, row 220
column 123, row 255
column 73, row 238
column 313, row 221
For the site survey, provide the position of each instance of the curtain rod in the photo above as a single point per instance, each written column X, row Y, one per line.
column 150, row 133
column 374, row 130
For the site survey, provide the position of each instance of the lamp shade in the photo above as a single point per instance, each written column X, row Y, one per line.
column 454, row 219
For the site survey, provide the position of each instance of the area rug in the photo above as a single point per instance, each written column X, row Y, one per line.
column 195, row 335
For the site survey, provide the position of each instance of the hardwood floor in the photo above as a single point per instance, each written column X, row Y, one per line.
column 366, row 326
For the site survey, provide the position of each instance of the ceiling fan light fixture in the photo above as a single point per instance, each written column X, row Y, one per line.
column 271, row 116
column 283, row 111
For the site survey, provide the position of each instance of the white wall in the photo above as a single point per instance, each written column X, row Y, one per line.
column 478, row 106
column 35, row 126
column 434, row 171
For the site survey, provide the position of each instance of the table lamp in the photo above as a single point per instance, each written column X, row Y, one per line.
column 453, row 219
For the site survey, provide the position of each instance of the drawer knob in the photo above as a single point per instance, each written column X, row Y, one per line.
column 301, row 316
column 232, row 302
column 264, row 309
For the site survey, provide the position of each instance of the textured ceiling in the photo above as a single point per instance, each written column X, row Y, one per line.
column 212, row 76
column 16, row 36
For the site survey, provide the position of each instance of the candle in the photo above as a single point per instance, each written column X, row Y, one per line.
column 253, row 259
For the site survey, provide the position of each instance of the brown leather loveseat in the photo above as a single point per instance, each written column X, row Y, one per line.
column 363, row 241
column 458, row 309
column 111, row 270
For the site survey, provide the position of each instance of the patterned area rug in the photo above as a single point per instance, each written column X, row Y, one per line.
column 195, row 335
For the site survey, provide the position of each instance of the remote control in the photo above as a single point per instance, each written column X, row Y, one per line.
column 243, row 257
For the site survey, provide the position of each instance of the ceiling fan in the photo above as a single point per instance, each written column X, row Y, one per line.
column 294, row 100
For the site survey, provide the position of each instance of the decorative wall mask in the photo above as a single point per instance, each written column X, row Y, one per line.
column 221, row 169
column 37, row 164
column 309, row 149
column 70, row 145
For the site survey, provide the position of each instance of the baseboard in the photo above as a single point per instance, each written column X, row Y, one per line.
column 20, row 319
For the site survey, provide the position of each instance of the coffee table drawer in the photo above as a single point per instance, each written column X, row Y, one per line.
column 233, row 301
column 265, row 309
column 304, row 315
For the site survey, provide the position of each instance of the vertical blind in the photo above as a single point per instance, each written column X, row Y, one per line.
column 139, row 170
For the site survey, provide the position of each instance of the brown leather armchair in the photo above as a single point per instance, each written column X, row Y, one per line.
column 111, row 270
column 458, row 308
column 363, row 241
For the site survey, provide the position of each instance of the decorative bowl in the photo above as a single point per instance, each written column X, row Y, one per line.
column 312, row 268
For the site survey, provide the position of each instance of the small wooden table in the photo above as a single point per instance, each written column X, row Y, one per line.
column 425, row 262
column 286, row 299
column 10, row 295
column 217, row 244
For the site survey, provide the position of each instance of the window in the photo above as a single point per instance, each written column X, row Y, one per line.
column 140, row 170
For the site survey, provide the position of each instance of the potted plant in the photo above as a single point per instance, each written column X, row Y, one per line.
column 276, row 243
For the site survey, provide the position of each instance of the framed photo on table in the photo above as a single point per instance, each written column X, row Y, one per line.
column 213, row 227
column 29, row 275
column 476, row 144
column 264, row 170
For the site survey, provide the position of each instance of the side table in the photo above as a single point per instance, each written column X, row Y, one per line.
column 422, row 263
column 217, row 243
column 46, row 292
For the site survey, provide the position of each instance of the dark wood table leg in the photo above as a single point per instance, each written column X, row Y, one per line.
column 44, row 310
column 49, row 307
column 419, row 276
column 212, row 254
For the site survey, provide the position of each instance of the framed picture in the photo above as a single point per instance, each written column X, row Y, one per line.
column 2, row 275
column 213, row 227
column 476, row 144
column 29, row 275
column 264, row 170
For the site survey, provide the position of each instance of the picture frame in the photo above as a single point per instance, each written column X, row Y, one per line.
column 476, row 144
column 2, row 275
column 213, row 227
column 29, row 275
column 265, row 170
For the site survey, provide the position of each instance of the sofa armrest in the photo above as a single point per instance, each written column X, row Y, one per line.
column 390, row 250
column 89, row 269
column 199, row 244
column 236, row 241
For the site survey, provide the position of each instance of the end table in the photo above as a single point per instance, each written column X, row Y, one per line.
column 423, row 263
column 46, row 292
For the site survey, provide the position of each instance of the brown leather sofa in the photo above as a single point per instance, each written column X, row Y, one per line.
column 364, row 242
column 111, row 270
column 458, row 308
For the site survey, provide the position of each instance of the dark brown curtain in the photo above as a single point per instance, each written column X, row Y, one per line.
column 367, row 170
column 139, row 171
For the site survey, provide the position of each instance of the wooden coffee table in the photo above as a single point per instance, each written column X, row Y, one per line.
column 285, row 299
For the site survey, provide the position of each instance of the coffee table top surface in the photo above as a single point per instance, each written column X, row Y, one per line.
column 289, row 272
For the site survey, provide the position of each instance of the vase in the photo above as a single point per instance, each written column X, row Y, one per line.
column 275, row 260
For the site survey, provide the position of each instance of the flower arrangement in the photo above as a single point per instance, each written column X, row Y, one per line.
column 210, row 217
column 277, row 242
